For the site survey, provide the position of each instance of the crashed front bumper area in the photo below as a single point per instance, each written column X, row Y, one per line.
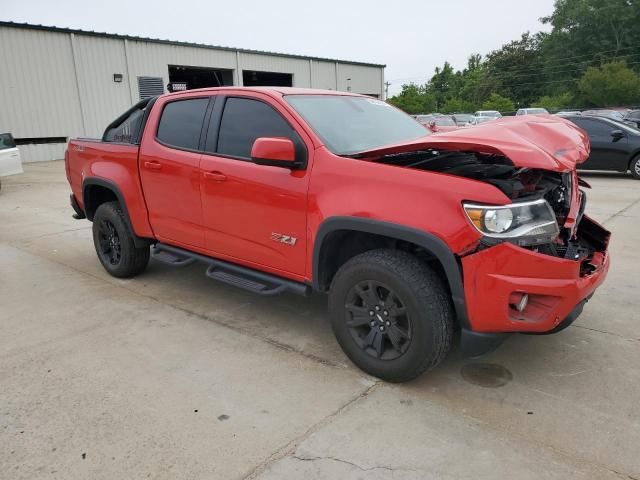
column 514, row 289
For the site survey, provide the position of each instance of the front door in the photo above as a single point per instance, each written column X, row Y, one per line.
column 170, row 171
column 252, row 213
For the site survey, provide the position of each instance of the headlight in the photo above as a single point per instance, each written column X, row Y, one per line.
column 526, row 223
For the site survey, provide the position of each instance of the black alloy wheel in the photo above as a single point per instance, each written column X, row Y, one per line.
column 378, row 320
column 110, row 247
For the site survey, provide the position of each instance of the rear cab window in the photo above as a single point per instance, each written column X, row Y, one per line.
column 128, row 126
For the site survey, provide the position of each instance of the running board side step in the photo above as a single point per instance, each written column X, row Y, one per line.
column 242, row 277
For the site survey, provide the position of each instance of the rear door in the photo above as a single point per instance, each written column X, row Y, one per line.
column 607, row 152
column 10, row 163
column 253, row 213
column 170, row 170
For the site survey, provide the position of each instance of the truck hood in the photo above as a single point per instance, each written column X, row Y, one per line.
column 541, row 141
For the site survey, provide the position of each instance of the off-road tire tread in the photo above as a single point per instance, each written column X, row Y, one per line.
column 430, row 292
column 134, row 260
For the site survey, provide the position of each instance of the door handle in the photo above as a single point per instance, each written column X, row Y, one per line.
column 153, row 165
column 215, row 176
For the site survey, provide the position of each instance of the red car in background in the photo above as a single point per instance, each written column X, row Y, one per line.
column 438, row 123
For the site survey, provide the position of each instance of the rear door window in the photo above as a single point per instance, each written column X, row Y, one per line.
column 6, row 141
column 244, row 120
column 181, row 123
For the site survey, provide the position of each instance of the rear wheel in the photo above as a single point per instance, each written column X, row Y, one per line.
column 634, row 166
column 391, row 314
column 114, row 243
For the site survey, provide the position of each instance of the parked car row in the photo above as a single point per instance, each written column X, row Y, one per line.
column 626, row 116
column 438, row 122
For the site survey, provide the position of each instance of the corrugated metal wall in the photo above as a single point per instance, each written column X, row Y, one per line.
column 38, row 91
column 57, row 84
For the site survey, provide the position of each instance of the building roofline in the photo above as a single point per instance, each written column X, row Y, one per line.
column 31, row 26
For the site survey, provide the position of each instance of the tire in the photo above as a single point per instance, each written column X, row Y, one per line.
column 114, row 244
column 413, row 328
column 634, row 166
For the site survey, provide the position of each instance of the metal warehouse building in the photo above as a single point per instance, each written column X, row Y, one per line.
column 57, row 83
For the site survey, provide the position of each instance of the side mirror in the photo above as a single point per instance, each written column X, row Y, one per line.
column 617, row 134
column 274, row 151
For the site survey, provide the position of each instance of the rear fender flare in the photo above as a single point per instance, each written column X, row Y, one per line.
column 139, row 242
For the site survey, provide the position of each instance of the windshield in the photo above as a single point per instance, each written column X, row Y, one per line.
column 349, row 125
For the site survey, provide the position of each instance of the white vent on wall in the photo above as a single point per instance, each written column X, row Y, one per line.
column 150, row 87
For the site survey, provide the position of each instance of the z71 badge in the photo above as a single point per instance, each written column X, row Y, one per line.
column 286, row 239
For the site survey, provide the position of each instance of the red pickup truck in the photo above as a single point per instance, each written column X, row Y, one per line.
column 293, row 190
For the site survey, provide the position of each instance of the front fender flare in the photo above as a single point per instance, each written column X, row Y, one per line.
column 428, row 241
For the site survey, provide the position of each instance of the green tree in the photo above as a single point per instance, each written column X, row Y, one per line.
column 414, row 99
column 443, row 84
column 499, row 103
column 589, row 33
column 475, row 88
column 596, row 29
column 612, row 84
column 554, row 103
column 457, row 105
column 516, row 70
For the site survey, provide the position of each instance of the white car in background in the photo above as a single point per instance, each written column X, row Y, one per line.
column 492, row 114
column 10, row 162
column 532, row 111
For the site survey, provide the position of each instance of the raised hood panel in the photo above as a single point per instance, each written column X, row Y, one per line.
column 545, row 142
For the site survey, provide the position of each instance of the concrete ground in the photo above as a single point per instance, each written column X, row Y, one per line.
column 171, row 375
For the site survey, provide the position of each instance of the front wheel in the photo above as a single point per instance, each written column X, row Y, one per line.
column 634, row 166
column 114, row 243
column 391, row 314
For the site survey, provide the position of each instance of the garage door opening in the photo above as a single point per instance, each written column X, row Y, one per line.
column 187, row 78
column 252, row 78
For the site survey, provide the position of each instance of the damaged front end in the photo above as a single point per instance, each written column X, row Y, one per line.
column 547, row 210
column 538, row 257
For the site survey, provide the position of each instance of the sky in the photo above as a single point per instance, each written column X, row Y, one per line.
column 411, row 37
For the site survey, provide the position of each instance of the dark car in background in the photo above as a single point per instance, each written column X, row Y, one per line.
column 633, row 116
column 614, row 145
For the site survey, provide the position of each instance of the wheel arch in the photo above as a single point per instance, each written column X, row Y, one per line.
column 334, row 230
column 96, row 191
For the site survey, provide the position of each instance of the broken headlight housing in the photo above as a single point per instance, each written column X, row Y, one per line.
column 524, row 224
